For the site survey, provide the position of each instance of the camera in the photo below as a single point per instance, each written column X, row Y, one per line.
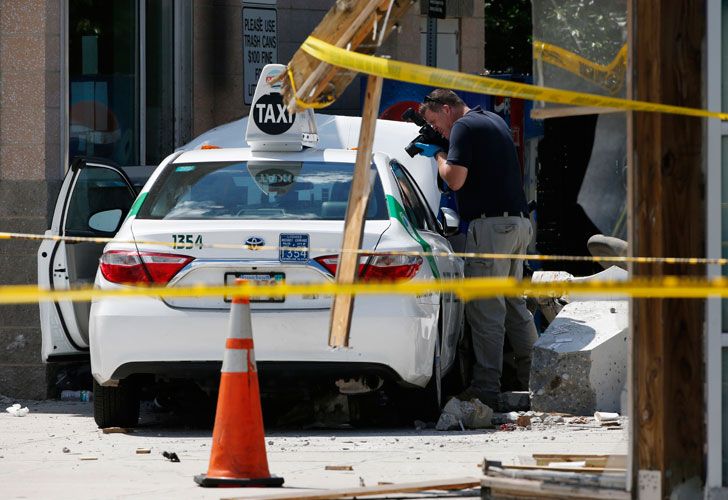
column 428, row 135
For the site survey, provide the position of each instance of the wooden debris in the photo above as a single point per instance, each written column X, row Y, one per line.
column 440, row 484
column 615, row 461
column 338, row 467
column 598, row 478
column 502, row 487
column 116, row 430
column 358, row 25
column 88, row 458
column 597, row 470
column 143, row 451
column 347, row 270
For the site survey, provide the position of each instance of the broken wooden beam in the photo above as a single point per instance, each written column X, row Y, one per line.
column 503, row 487
column 437, row 484
column 347, row 270
column 616, row 461
column 358, row 25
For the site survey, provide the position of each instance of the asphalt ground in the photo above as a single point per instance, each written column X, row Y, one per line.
column 57, row 451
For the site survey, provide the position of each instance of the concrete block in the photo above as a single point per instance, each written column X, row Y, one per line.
column 579, row 364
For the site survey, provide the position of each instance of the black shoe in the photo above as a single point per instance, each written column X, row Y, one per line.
column 489, row 398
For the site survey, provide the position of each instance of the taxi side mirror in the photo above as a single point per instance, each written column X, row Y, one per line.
column 450, row 221
column 106, row 221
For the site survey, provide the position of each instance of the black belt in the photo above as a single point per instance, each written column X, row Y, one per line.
column 502, row 214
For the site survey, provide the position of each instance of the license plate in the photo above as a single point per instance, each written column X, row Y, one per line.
column 257, row 278
column 289, row 243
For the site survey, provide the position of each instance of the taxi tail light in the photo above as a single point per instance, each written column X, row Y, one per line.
column 124, row 266
column 379, row 267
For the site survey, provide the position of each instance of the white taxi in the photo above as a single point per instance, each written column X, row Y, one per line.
column 210, row 210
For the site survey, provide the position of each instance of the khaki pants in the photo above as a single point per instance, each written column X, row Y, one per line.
column 491, row 319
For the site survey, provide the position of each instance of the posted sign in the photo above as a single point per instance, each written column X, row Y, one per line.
column 260, row 45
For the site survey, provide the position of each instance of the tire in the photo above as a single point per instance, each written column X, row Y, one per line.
column 116, row 406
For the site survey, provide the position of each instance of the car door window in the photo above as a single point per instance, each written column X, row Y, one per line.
column 417, row 210
column 100, row 193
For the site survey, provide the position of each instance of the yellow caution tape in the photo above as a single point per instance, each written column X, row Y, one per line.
column 421, row 253
column 467, row 289
column 609, row 76
column 302, row 104
column 435, row 77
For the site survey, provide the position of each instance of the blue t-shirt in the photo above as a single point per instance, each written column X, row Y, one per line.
column 481, row 142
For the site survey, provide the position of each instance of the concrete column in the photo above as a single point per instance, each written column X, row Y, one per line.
column 30, row 171
column 472, row 40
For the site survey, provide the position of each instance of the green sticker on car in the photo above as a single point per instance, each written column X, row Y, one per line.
column 137, row 205
column 396, row 210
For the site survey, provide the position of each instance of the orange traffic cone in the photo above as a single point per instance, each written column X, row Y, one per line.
column 238, row 444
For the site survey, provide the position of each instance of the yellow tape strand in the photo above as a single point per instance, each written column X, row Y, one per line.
column 421, row 253
column 467, row 289
column 434, row 77
column 302, row 104
column 609, row 76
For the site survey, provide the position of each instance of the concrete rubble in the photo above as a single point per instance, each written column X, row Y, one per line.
column 579, row 363
column 464, row 415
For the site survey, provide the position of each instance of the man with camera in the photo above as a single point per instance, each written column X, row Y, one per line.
column 481, row 166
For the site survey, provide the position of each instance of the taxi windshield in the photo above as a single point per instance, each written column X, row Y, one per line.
column 311, row 190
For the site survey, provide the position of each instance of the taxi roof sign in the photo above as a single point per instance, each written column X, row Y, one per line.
column 271, row 127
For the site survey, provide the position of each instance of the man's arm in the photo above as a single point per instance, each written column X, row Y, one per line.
column 451, row 173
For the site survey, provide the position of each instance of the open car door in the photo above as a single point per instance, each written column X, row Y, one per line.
column 93, row 201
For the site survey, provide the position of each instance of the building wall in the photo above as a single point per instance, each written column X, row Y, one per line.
column 29, row 174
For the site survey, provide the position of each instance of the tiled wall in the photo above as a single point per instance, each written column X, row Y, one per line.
column 29, row 174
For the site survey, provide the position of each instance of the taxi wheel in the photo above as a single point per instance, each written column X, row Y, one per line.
column 116, row 406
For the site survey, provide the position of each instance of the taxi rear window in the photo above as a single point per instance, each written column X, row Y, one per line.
column 257, row 190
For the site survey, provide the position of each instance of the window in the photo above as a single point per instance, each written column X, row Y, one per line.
column 125, row 90
column 415, row 205
column 257, row 190
column 97, row 189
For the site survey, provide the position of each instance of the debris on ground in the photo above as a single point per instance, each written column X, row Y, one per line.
column 116, row 430
column 88, row 458
column 508, row 427
column 420, row 425
column 579, row 420
column 143, row 451
column 66, row 450
column 523, row 421
column 171, row 456
column 465, row 415
column 338, row 467
column 606, row 418
column 17, row 411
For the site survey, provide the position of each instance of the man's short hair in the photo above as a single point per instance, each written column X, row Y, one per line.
column 435, row 99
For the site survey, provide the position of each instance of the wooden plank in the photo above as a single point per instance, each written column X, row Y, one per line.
column 618, row 461
column 349, row 24
column 438, row 484
column 348, row 267
column 565, row 111
column 502, row 487
column 667, row 216
column 590, row 470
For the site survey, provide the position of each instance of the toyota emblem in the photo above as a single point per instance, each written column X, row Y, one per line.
column 254, row 243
